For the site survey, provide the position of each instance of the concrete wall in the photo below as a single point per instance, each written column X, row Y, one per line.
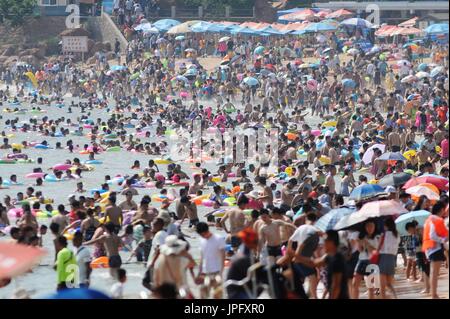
column 105, row 30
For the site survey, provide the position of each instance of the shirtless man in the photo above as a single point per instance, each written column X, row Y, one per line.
column 285, row 231
column 190, row 210
column 61, row 219
column 329, row 180
column 128, row 204
column 287, row 194
column 238, row 221
column 270, row 235
column 196, row 186
column 267, row 194
column 114, row 213
column 394, row 141
column 112, row 243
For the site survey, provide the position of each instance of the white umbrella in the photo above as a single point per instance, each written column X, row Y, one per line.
column 353, row 51
column 367, row 157
column 423, row 74
column 409, row 79
column 223, row 39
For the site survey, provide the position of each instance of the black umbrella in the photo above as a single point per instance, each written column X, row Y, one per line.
column 396, row 179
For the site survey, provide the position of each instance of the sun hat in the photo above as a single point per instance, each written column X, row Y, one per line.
column 173, row 245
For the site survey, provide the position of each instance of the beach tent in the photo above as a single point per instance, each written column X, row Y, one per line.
column 341, row 13
column 184, row 27
column 165, row 24
column 409, row 23
column 319, row 27
column 302, row 15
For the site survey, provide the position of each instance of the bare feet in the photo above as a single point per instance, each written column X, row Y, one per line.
column 425, row 291
column 435, row 297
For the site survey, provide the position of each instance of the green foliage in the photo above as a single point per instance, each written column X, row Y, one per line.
column 213, row 5
column 52, row 46
column 15, row 11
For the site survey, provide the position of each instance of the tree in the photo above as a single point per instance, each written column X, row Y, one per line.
column 15, row 11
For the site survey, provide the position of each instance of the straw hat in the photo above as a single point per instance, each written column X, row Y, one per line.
column 173, row 245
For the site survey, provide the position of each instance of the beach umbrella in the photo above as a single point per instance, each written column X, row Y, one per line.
column 259, row 50
column 166, row 24
column 422, row 67
column 200, row 27
column 357, row 22
column 180, row 37
column 409, row 79
column 424, row 190
column 370, row 210
column 250, row 81
column 403, row 62
column 395, row 179
column 392, row 156
column 353, row 51
column 17, row 259
column 78, row 293
column 339, row 14
column 367, row 157
column 184, row 27
column 422, row 75
column 436, row 180
column 326, row 50
column 349, row 83
column 271, row 31
column 117, row 67
column 414, row 96
column 319, row 27
column 436, row 71
column 181, row 78
column 330, row 219
column 224, row 39
column 244, row 30
column 420, row 216
column 311, row 85
column 146, row 28
column 160, row 40
column 366, row 191
column 438, row 28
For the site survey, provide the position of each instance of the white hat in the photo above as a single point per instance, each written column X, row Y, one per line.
column 390, row 189
column 173, row 245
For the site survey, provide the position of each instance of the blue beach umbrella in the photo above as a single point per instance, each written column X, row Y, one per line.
column 251, row 81
column 118, row 68
column 78, row 293
column 420, row 216
column 349, row 83
column 259, row 50
column 166, row 24
column 319, row 27
column 330, row 219
column 366, row 191
column 438, row 28
column 436, row 71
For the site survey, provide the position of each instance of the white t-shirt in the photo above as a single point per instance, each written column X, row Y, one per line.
column 303, row 232
column 83, row 256
column 117, row 290
column 158, row 241
column 211, row 249
column 390, row 244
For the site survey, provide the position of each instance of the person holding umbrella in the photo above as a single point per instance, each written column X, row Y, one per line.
column 435, row 234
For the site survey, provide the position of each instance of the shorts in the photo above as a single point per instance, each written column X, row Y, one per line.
column 274, row 251
column 306, row 271
column 147, row 280
column 438, row 255
column 193, row 222
column 422, row 263
column 351, row 264
column 361, row 267
column 387, row 264
column 395, row 148
column 115, row 261
column 235, row 241
column 117, row 229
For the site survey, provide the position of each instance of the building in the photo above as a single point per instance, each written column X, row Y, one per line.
column 393, row 12
column 58, row 7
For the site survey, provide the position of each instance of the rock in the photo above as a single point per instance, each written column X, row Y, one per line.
column 3, row 59
column 10, row 60
column 98, row 46
column 30, row 59
column 91, row 60
column 9, row 50
column 91, row 44
column 110, row 55
column 107, row 46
